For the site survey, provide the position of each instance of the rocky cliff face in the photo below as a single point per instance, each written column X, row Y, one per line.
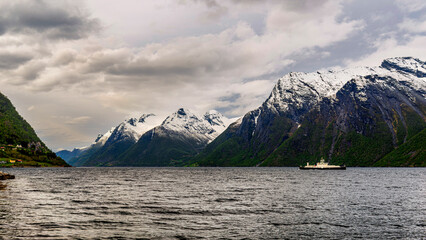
column 309, row 115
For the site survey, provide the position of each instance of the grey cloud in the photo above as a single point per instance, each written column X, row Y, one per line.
column 31, row 70
column 64, row 58
column 216, row 68
column 299, row 5
column 230, row 98
column 12, row 60
column 2, row 29
column 411, row 5
column 78, row 120
column 235, row 54
column 65, row 22
column 146, row 69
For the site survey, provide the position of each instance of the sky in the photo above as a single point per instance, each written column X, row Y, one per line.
column 76, row 68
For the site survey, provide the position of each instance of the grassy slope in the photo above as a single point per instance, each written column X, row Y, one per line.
column 31, row 159
column 410, row 154
column 14, row 130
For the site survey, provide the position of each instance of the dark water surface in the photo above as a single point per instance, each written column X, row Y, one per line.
column 213, row 203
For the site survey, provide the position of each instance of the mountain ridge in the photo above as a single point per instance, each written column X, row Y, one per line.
column 186, row 131
column 263, row 130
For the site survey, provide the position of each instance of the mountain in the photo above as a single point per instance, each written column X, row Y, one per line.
column 67, row 155
column 148, row 141
column 113, row 143
column 178, row 138
column 354, row 116
column 18, row 140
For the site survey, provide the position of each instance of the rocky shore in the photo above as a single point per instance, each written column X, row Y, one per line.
column 5, row 176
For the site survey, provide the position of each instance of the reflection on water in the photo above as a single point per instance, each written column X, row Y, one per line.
column 2, row 186
column 213, row 203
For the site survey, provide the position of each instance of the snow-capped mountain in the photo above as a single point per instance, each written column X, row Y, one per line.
column 296, row 92
column 179, row 137
column 114, row 141
column 392, row 91
column 131, row 129
column 203, row 128
column 193, row 129
column 361, row 116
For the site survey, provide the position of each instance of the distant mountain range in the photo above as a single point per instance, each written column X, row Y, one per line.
column 362, row 116
column 146, row 141
column 19, row 144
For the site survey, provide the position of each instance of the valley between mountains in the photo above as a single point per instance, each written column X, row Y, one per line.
column 361, row 116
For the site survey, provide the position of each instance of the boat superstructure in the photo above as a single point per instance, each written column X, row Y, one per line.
column 322, row 165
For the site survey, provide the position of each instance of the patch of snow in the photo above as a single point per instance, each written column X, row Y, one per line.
column 135, row 127
column 298, row 89
column 101, row 140
column 407, row 63
column 202, row 127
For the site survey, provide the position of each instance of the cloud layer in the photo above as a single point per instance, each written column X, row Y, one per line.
column 197, row 54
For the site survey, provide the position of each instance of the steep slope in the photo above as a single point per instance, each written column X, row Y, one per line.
column 84, row 153
column 297, row 95
column 18, row 140
column 369, row 117
column 181, row 135
column 410, row 154
column 116, row 141
column 13, row 128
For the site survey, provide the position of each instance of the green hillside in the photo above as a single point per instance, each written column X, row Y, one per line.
column 19, row 144
column 410, row 154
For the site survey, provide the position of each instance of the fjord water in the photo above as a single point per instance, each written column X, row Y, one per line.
column 213, row 203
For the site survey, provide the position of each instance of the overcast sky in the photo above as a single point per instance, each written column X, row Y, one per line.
column 74, row 69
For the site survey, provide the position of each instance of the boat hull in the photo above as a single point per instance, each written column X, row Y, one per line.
column 323, row 168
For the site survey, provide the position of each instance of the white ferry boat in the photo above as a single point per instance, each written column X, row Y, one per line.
column 322, row 165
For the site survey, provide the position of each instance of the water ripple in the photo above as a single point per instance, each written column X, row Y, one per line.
column 213, row 203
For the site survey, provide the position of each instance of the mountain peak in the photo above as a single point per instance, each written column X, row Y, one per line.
column 144, row 117
column 132, row 121
column 181, row 117
column 406, row 64
column 214, row 118
column 207, row 126
column 183, row 112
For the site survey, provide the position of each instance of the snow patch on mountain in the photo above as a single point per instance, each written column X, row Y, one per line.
column 202, row 127
column 298, row 89
column 406, row 64
column 102, row 138
column 134, row 127
column 296, row 92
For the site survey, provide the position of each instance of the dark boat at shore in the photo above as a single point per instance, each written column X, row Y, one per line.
column 322, row 165
column 5, row 176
